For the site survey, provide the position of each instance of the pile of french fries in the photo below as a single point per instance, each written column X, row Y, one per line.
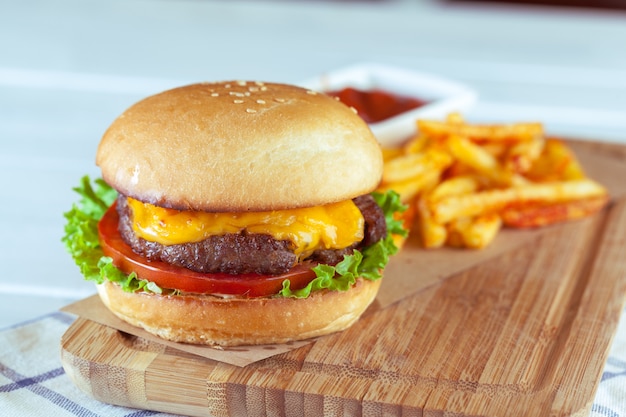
column 464, row 182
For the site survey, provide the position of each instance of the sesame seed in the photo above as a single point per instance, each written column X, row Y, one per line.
column 251, row 110
column 311, row 92
column 237, row 101
column 261, row 101
column 259, row 83
column 263, row 88
column 253, row 89
column 226, row 85
column 279, row 100
column 354, row 110
column 215, row 94
column 247, row 94
column 241, row 83
column 236, row 94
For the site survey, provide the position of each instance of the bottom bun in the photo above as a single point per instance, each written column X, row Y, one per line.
column 211, row 320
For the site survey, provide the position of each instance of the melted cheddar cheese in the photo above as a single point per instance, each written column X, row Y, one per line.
column 333, row 226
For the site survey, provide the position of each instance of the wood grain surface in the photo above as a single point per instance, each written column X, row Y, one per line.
column 524, row 332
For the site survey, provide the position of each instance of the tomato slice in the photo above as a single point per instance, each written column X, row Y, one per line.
column 174, row 277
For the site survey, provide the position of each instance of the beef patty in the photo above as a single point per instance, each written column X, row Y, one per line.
column 239, row 253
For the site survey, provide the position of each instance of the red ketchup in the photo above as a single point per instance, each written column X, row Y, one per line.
column 376, row 105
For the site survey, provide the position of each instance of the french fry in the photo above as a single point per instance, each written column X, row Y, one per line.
column 512, row 132
column 490, row 201
column 556, row 162
column 471, row 154
column 475, row 233
column 391, row 153
column 454, row 236
column 433, row 235
column 413, row 165
column 458, row 169
column 482, row 231
column 522, row 155
column 454, row 186
column 417, row 144
column 497, row 149
column 542, row 215
column 474, row 156
column 408, row 189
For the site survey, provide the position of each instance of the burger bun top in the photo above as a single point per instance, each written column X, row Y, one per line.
column 240, row 146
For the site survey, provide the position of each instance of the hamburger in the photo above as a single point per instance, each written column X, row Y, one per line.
column 235, row 213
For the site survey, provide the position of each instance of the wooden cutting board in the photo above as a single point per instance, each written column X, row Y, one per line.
column 525, row 332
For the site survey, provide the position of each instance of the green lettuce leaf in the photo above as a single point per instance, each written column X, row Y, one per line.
column 81, row 237
column 391, row 204
column 367, row 264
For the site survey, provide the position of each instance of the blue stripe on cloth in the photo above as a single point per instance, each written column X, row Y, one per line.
column 610, row 375
column 24, row 382
column 64, row 318
column 604, row 411
column 33, row 384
